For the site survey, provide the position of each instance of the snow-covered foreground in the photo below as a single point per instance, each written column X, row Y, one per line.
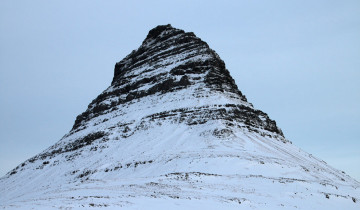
column 179, row 169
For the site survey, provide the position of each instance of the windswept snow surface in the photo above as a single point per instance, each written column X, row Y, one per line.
column 184, row 167
column 175, row 133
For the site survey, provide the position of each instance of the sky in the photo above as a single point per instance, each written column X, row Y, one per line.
column 298, row 61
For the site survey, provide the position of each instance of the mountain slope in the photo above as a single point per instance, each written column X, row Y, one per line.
column 174, row 131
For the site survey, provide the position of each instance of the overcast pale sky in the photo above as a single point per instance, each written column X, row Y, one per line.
column 298, row 61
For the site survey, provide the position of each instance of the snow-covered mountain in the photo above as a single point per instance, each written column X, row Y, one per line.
column 174, row 132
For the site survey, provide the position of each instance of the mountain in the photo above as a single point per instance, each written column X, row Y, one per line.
column 173, row 131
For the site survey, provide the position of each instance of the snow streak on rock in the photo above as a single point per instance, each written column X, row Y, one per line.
column 174, row 130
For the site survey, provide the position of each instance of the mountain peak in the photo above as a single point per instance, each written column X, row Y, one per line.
column 160, row 38
column 172, row 128
column 163, row 32
column 155, row 32
column 170, row 60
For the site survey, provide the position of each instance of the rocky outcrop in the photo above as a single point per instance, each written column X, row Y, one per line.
column 169, row 60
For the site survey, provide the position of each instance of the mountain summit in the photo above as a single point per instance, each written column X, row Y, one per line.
column 173, row 131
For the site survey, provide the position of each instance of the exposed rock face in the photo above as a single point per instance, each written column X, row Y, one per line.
column 169, row 60
column 173, row 125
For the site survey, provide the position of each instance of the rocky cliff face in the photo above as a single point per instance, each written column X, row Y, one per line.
column 173, row 127
column 170, row 60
